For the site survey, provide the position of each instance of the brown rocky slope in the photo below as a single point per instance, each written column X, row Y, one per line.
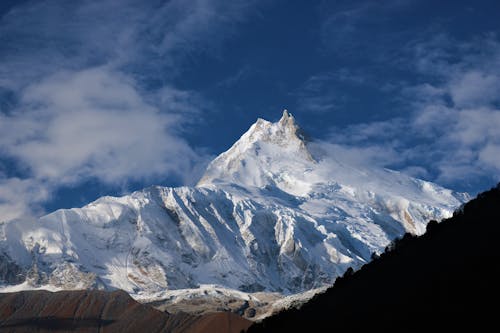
column 102, row 311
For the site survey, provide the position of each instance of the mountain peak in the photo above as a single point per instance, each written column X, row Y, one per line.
column 286, row 118
column 288, row 124
column 263, row 147
column 284, row 132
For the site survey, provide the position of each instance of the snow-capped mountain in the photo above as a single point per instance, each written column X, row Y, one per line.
column 273, row 213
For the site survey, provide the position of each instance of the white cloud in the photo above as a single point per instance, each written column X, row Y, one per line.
column 356, row 155
column 94, row 123
column 476, row 127
column 322, row 93
column 490, row 155
column 188, row 27
column 20, row 198
column 367, row 133
column 432, row 117
column 475, row 87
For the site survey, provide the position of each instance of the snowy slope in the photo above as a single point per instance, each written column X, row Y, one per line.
column 273, row 213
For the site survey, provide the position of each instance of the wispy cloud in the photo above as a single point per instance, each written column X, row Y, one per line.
column 241, row 74
column 325, row 92
column 345, row 25
column 142, row 38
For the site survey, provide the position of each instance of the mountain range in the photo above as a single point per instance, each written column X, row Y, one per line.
column 275, row 215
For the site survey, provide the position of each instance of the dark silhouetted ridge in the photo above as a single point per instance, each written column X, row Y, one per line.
column 447, row 279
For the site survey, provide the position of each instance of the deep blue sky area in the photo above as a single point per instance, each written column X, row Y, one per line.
column 103, row 98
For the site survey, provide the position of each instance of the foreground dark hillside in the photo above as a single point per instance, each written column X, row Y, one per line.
column 101, row 311
column 447, row 279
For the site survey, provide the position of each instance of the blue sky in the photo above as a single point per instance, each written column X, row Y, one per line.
column 108, row 97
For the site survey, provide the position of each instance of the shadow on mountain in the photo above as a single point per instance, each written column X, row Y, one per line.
column 447, row 279
column 56, row 323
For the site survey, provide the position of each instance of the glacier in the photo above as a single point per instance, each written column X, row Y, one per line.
column 275, row 213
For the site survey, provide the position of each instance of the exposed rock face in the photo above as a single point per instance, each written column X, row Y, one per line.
column 100, row 311
column 10, row 272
